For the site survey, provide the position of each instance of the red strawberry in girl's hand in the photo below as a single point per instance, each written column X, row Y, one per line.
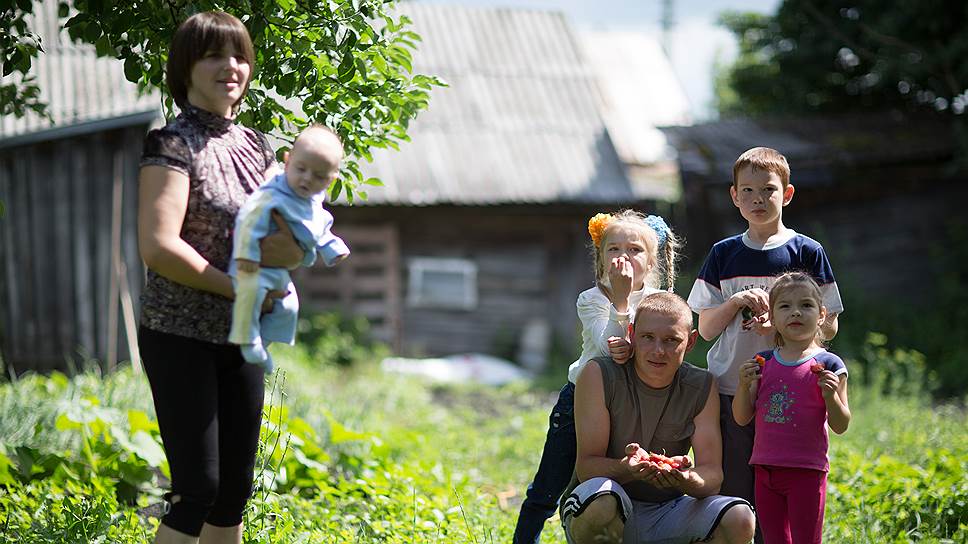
column 759, row 360
column 816, row 368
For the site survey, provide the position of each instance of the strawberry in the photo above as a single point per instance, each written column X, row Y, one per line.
column 759, row 360
column 662, row 461
column 816, row 368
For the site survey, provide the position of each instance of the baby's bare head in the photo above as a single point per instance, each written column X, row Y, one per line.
column 314, row 161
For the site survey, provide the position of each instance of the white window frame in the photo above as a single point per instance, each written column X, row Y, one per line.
column 417, row 297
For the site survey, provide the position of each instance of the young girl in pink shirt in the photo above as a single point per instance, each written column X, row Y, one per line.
column 794, row 392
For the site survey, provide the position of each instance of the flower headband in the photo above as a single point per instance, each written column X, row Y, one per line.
column 600, row 221
column 596, row 227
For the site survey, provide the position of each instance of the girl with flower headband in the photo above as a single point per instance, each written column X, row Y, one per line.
column 626, row 249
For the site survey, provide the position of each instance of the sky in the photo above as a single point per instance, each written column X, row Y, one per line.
column 696, row 42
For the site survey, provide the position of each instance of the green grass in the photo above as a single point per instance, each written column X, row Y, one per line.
column 374, row 457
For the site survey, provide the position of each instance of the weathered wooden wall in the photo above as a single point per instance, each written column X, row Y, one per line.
column 55, row 246
column 532, row 262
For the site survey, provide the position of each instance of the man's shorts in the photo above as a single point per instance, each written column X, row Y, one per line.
column 681, row 520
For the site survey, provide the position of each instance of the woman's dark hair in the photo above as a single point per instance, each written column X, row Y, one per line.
column 199, row 34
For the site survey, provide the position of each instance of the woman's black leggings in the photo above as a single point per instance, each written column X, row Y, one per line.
column 209, row 406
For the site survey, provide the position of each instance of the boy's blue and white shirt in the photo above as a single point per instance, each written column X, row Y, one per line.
column 737, row 264
column 309, row 221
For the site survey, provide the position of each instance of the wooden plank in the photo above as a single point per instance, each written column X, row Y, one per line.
column 131, row 145
column 60, row 256
column 82, row 244
column 115, row 268
column 365, row 284
column 19, row 210
column 100, row 147
column 33, row 240
column 10, row 311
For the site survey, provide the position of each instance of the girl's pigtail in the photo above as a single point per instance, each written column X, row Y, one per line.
column 670, row 262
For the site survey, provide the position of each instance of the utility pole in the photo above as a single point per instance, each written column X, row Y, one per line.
column 666, row 23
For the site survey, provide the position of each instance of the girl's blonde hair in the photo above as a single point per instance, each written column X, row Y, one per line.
column 790, row 280
column 661, row 243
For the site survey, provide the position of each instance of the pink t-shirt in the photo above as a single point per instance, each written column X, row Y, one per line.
column 790, row 414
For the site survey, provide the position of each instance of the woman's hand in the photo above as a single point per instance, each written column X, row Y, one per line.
column 280, row 250
column 270, row 300
column 247, row 273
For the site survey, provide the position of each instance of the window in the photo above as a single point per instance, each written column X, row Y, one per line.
column 442, row 283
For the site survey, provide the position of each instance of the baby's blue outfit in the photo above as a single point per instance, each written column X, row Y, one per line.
column 310, row 224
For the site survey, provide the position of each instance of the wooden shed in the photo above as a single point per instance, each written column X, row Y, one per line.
column 877, row 190
column 70, row 274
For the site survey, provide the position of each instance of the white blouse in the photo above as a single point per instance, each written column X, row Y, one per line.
column 599, row 321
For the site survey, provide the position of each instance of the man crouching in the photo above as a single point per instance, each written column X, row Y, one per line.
column 626, row 494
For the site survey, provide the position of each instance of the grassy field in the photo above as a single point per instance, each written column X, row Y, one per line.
column 356, row 455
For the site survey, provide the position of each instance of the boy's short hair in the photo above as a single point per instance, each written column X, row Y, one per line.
column 665, row 303
column 763, row 158
column 195, row 37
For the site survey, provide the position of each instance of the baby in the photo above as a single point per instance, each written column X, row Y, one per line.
column 297, row 195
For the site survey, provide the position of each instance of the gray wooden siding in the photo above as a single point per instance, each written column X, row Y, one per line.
column 531, row 263
column 55, row 247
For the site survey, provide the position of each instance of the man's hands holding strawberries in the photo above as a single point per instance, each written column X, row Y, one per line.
column 657, row 469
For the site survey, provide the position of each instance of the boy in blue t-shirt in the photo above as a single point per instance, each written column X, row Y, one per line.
column 731, row 293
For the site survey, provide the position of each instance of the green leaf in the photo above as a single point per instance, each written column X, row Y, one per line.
column 346, row 67
column 92, row 32
column 7, row 477
column 139, row 421
column 148, row 448
column 373, row 181
column 63, row 9
column 13, row 61
column 132, row 70
column 335, row 189
column 103, row 46
column 65, row 423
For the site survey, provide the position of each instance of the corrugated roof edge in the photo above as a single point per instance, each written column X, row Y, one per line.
column 86, row 127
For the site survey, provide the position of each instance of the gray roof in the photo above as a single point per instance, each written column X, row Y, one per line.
column 519, row 123
column 78, row 86
column 521, row 120
column 812, row 145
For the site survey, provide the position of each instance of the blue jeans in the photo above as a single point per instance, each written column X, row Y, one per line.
column 554, row 471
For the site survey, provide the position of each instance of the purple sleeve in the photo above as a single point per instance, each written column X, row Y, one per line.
column 832, row 363
column 165, row 148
